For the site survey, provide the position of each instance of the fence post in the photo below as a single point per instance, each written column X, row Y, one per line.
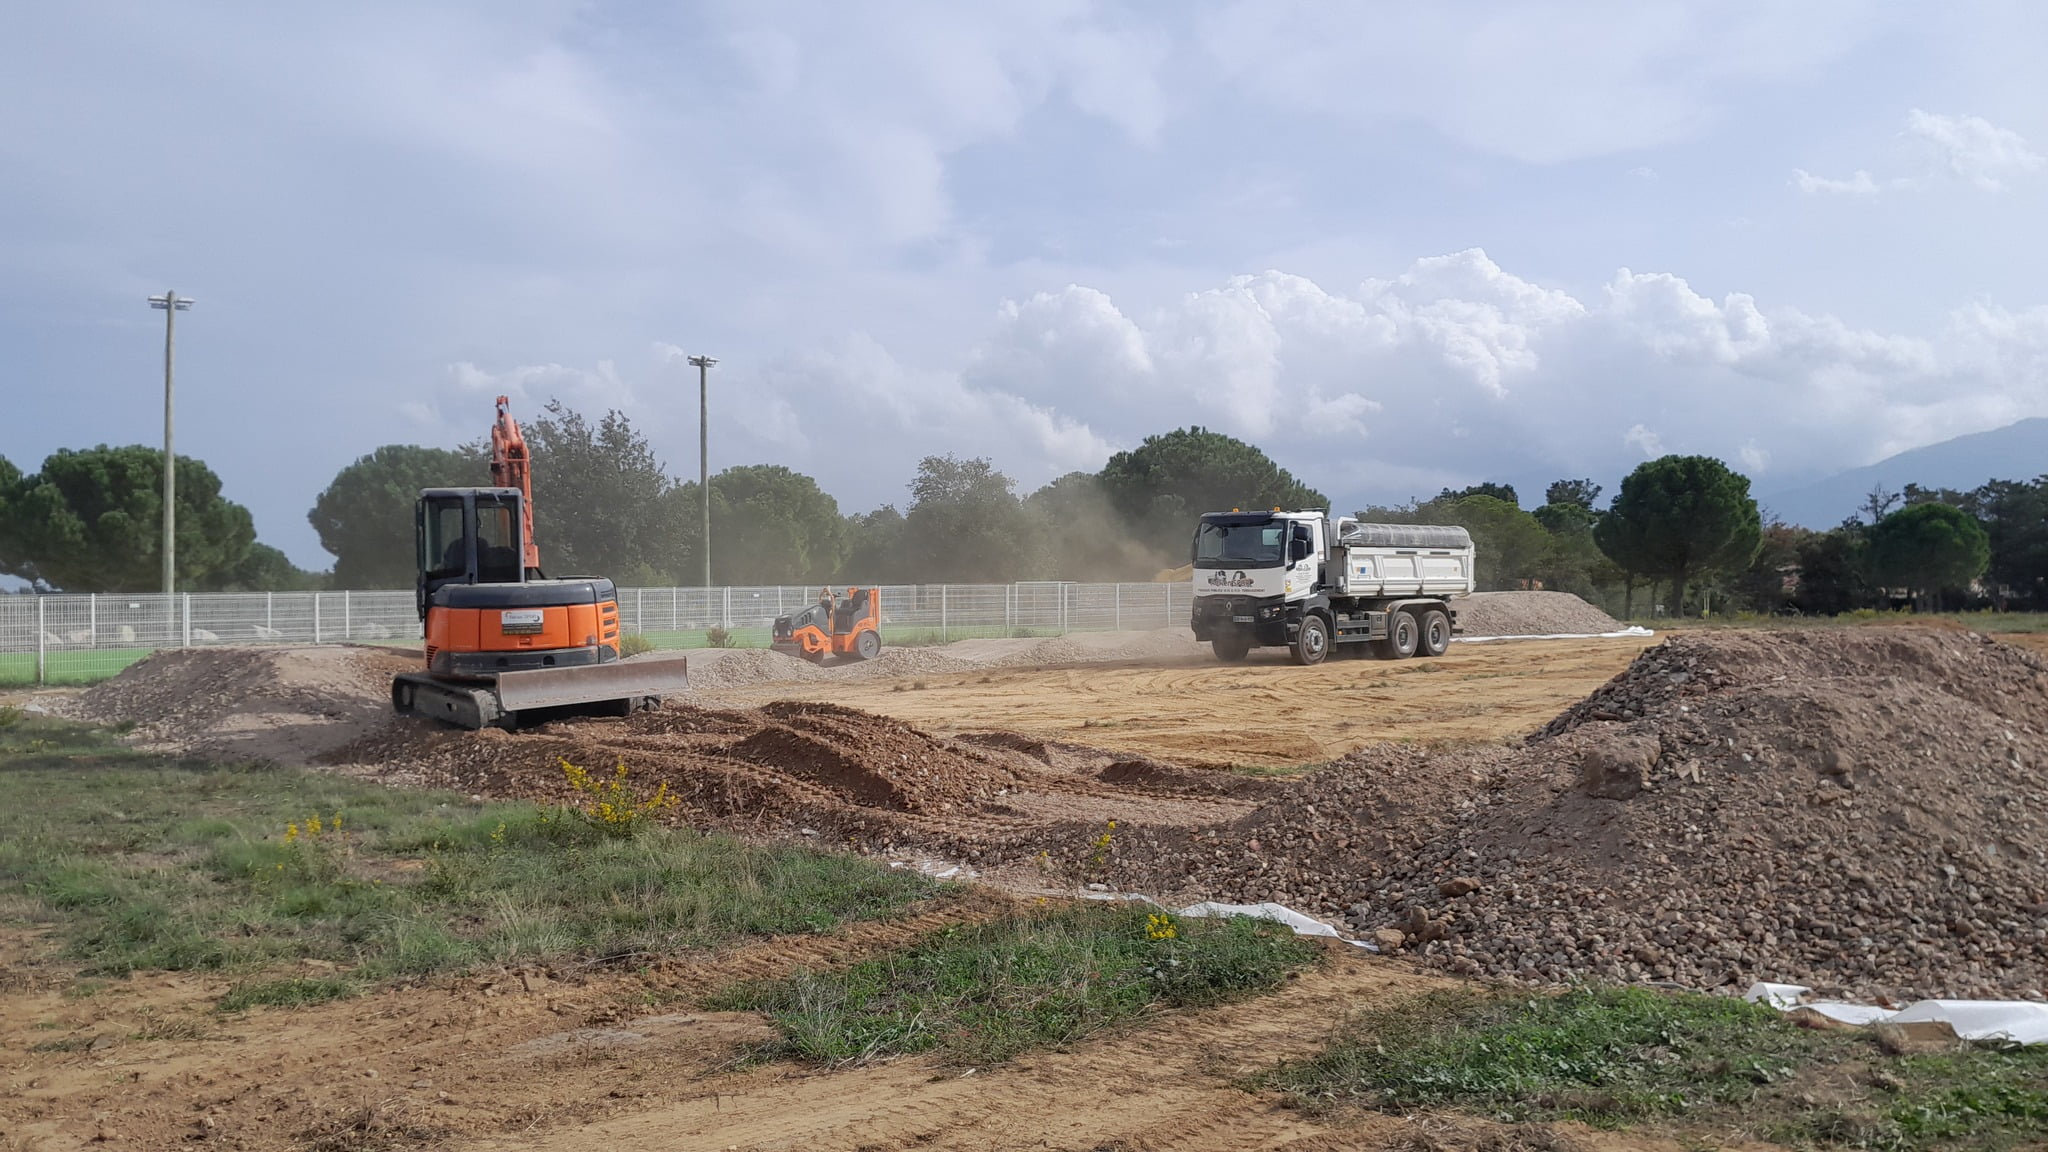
column 42, row 669
column 188, row 620
column 639, row 609
column 1063, row 607
column 92, row 619
column 1009, row 609
column 1119, row 607
column 348, row 628
column 726, row 610
column 269, row 611
column 942, row 613
column 316, row 617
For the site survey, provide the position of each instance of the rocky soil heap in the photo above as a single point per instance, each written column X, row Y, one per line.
column 1861, row 810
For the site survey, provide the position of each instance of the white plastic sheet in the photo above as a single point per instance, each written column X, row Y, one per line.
column 1631, row 630
column 2008, row 1021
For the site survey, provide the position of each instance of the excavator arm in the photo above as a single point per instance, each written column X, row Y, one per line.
column 511, row 468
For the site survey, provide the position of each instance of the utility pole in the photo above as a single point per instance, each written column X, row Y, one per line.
column 704, row 364
column 170, row 304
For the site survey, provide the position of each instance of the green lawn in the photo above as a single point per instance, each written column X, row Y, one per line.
column 983, row 993
column 19, row 668
column 146, row 863
column 1614, row 1057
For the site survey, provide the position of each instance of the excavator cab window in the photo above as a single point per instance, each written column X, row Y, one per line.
column 444, row 547
column 497, row 540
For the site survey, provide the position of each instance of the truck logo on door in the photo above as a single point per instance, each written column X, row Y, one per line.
column 1220, row 579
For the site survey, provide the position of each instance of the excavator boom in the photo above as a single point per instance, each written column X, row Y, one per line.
column 511, row 468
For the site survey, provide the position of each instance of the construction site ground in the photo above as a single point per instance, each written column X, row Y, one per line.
column 1009, row 758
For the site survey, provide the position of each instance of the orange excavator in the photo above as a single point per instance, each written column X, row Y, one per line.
column 505, row 642
column 850, row 627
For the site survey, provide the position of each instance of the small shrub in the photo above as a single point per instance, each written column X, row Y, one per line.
column 612, row 805
column 10, row 716
column 633, row 644
column 717, row 638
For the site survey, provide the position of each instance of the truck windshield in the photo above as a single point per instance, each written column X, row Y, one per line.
column 1251, row 545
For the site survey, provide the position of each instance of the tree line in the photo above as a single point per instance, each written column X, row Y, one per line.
column 1682, row 534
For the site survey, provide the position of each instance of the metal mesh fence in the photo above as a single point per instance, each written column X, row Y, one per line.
column 62, row 639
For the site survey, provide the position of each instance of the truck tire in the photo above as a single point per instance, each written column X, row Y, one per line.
column 1404, row 633
column 1436, row 633
column 1312, row 642
column 1231, row 647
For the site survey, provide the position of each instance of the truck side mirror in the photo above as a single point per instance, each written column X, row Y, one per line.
column 1297, row 550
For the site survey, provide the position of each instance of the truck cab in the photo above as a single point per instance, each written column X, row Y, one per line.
column 1300, row 581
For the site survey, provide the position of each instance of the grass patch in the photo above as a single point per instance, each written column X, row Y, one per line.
column 292, row 992
column 1612, row 1057
column 144, row 863
column 979, row 994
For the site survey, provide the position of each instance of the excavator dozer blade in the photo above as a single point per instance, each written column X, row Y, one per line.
column 621, row 680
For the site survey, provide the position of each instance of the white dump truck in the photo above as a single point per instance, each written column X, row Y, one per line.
column 1302, row 581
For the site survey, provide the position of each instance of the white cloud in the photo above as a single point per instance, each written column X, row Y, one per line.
column 1644, row 441
column 1754, row 459
column 1971, row 149
column 1966, row 148
column 1859, row 185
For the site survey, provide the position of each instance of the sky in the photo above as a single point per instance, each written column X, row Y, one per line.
column 1397, row 246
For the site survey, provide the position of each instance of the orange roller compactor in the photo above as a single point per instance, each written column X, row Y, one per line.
column 850, row 627
column 503, row 640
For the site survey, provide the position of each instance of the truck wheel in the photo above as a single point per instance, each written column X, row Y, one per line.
column 1312, row 643
column 1231, row 647
column 1402, row 637
column 1436, row 632
column 868, row 645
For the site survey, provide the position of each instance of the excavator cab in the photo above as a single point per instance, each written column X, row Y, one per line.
column 849, row 626
column 468, row 536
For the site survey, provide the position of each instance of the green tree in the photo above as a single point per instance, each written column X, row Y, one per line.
column 1086, row 538
column 92, row 521
column 770, row 525
column 1502, row 492
column 966, row 525
column 1162, row 486
column 10, row 485
column 1570, row 560
column 874, row 549
column 364, row 517
column 2016, row 518
column 1929, row 548
column 1832, row 570
column 264, row 569
column 1580, row 493
column 1509, row 542
column 1678, row 517
column 599, row 498
column 1769, row 584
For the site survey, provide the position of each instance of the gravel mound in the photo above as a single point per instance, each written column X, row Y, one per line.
column 1860, row 810
column 267, row 703
column 1530, row 614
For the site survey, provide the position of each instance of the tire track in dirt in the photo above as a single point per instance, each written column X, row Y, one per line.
column 1170, row 1083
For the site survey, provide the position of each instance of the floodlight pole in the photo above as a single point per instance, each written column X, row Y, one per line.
column 704, row 364
column 170, row 304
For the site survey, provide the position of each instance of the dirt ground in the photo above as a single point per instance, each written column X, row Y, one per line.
column 1265, row 713
column 1047, row 738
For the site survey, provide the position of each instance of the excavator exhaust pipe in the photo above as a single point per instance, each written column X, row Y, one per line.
column 618, row 688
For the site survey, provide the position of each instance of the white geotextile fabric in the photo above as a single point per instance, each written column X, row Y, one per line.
column 2011, row 1021
column 1631, row 630
column 1302, row 923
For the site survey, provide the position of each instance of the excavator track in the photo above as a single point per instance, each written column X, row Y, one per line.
column 463, row 705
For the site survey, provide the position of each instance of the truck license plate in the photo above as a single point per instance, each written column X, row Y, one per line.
column 1241, row 619
column 514, row 621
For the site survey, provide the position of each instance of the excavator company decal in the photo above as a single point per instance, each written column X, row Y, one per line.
column 1221, row 579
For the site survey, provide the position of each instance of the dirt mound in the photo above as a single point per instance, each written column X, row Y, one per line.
column 1857, row 809
column 1530, row 614
column 272, row 703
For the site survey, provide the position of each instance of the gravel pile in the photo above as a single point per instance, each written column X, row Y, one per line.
column 1530, row 614
column 1858, row 810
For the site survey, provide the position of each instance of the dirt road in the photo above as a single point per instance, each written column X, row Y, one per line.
column 1265, row 713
